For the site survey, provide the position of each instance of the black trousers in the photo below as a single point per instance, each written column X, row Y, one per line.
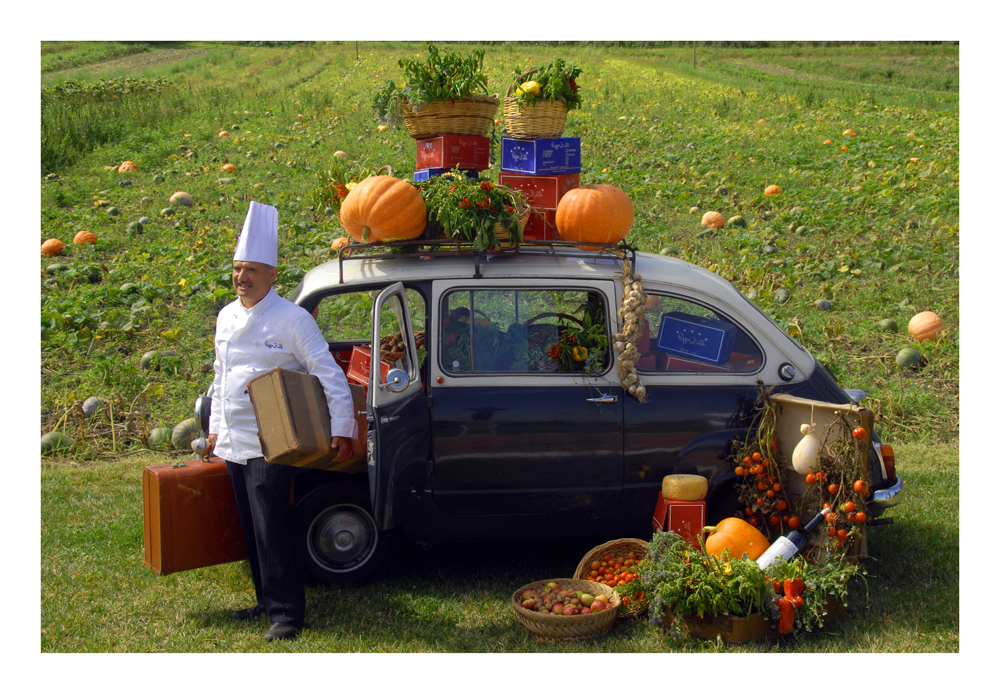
column 268, row 522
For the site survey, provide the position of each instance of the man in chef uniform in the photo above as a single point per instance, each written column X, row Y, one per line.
column 254, row 334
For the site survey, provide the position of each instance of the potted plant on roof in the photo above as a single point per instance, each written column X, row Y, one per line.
column 539, row 99
column 446, row 93
column 489, row 215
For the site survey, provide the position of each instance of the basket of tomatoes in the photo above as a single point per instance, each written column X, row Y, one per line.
column 566, row 609
column 615, row 565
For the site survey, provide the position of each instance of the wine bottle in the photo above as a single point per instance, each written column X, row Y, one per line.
column 787, row 546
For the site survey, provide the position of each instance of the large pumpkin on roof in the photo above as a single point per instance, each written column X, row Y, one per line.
column 598, row 213
column 383, row 208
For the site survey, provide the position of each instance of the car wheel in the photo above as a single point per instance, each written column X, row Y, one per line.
column 338, row 539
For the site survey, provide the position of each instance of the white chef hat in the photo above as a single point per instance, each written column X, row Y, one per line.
column 259, row 239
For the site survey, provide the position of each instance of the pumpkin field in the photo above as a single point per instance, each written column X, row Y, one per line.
column 151, row 153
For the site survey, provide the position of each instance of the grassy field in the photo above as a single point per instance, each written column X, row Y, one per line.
column 98, row 597
column 873, row 227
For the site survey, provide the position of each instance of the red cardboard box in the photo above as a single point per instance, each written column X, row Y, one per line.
column 541, row 226
column 361, row 364
column 453, row 152
column 686, row 518
column 543, row 192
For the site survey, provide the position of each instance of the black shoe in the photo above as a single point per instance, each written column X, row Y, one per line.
column 249, row 613
column 283, row 631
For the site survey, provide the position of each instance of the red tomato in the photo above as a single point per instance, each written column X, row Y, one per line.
column 781, row 505
column 739, row 471
column 793, row 522
column 842, row 534
column 861, row 487
column 860, row 517
column 848, row 507
column 754, row 522
column 747, row 460
column 776, row 487
column 770, row 494
column 859, row 433
column 756, row 456
column 810, row 479
column 833, row 488
column 774, row 520
column 832, row 532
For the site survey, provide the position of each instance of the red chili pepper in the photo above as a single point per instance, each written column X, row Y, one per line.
column 510, row 208
column 793, row 591
column 486, row 185
column 787, row 620
column 777, row 586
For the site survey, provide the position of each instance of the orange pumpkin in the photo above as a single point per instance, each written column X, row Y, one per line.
column 229, row 168
column 383, row 208
column 773, row 189
column 925, row 326
column 713, row 220
column 736, row 535
column 849, row 133
column 127, row 166
column 223, row 133
column 339, row 243
column 52, row 247
column 598, row 213
column 83, row 237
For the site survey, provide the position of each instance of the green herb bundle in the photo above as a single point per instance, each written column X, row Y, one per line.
column 443, row 76
column 553, row 82
column 469, row 208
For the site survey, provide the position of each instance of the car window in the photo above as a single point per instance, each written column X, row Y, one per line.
column 524, row 331
column 682, row 336
column 348, row 316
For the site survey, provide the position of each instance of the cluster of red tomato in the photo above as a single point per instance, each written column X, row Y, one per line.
column 615, row 571
column 766, row 491
column 847, row 510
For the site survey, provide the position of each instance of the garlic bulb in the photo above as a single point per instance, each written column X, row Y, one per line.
column 805, row 457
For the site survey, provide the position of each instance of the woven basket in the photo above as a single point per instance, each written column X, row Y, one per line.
column 469, row 116
column 576, row 627
column 523, row 212
column 543, row 120
column 615, row 548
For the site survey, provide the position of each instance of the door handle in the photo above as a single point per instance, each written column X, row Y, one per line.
column 604, row 398
column 386, row 420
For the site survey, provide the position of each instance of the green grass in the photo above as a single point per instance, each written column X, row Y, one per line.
column 96, row 596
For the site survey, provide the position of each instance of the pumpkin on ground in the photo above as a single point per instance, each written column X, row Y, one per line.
column 56, row 441
column 160, row 438
column 713, row 220
column 229, row 168
column 340, row 242
column 52, row 247
column 849, row 133
column 127, row 166
column 736, row 535
column 91, row 405
column 342, row 154
column 908, row 358
column 223, row 133
column 926, row 325
column 383, row 208
column 184, row 433
column 181, row 198
column 598, row 213
column 737, row 221
column 773, row 189
column 84, row 237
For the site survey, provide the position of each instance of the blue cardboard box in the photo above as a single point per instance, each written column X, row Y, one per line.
column 696, row 337
column 424, row 174
column 540, row 157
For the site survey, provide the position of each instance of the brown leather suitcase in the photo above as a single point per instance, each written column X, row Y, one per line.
column 189, row 516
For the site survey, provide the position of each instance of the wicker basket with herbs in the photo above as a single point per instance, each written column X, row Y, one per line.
column 536, row 108
column 446, row 93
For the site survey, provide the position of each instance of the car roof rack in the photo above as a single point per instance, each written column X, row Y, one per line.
column 430, row 248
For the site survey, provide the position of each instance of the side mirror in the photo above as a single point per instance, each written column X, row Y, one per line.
column 396, row 380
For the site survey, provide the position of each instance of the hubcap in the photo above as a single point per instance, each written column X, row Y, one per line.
column 342, row 538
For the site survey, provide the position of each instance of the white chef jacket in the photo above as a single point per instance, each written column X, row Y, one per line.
column 251, row 341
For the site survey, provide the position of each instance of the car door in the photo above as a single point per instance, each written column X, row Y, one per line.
column 513, row 431
column 398, row 426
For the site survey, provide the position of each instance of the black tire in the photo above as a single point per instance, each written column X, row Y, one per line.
column 337, row 537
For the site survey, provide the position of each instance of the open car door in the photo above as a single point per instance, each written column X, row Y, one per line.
column 398, row 418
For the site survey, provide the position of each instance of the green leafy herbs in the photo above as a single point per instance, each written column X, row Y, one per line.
column 553, row 82
column 443, row 76
column 470, row 209
column 688, row 582
column 582, row 346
